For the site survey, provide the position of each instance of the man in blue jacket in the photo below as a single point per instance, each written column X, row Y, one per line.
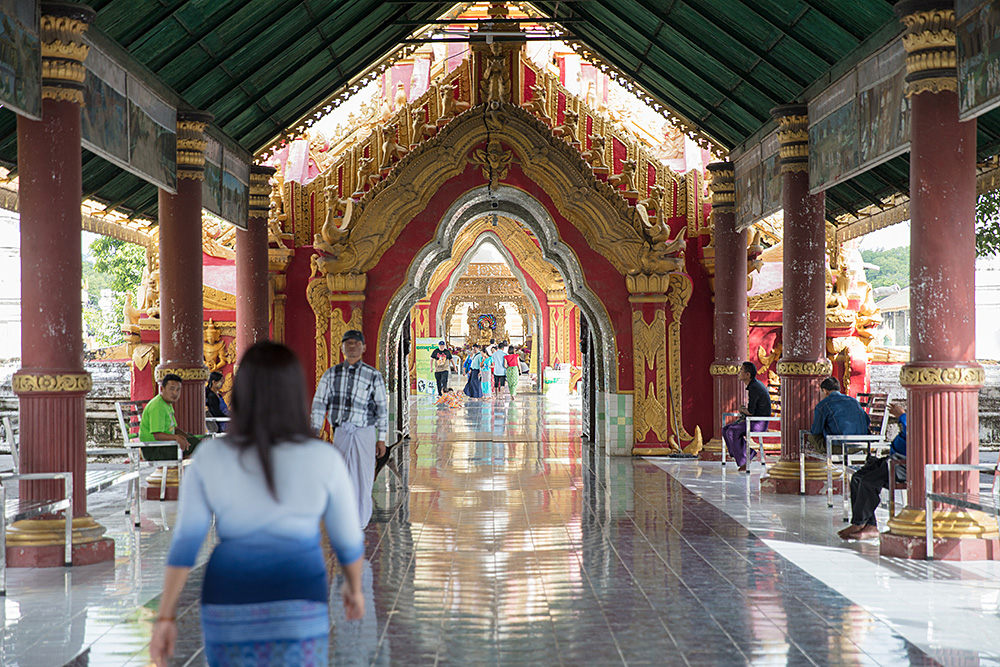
column 868, row 482
column 836, row 414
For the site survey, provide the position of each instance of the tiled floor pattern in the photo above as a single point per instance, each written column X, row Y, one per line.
column 516, row 544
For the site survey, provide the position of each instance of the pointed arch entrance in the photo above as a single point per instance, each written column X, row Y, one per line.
column 631, row 289
column 448, row 287
column 515, row 205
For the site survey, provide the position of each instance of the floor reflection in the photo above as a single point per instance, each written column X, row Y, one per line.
column 517, row 544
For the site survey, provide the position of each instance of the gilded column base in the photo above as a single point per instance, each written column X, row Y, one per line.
column 958, row 535
column 41, row 543
column 152, row 491
column 712, row 451
column 41, row 532
column 784, row 477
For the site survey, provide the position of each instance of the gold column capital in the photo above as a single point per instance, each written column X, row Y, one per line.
column 191, row 144
column 722, row 186
column 793, row 137
column 965, row 375
column 648, row 285
column 929, row 41
column 185, row 374
column 63, row 50
column 350, row 283
column 817, row 368
column 724, row 369
column 260, row 190
column 45, row 383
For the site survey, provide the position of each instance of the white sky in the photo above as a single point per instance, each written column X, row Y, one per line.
column 894, row 236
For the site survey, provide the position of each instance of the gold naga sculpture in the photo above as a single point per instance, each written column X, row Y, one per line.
column 336, row 254
column 365, row 174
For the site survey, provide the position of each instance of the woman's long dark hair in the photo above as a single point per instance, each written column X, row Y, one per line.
column 213, row 377
column 268, row 404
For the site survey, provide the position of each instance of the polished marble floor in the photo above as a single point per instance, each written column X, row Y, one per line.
column 513, row 542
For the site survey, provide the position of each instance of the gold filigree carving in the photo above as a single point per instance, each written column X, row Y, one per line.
column 965, row 376
column 604, row 218
column 817, row 368
column 37, row 383
column 495, row 162
column 678, row 297
column 185, row 374
column 767, row 301
column 649, row 352
column 216, row 299
column 723, row 369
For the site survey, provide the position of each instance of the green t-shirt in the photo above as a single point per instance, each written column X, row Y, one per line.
column 157, row 417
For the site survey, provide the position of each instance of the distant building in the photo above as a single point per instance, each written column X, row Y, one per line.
column 896, row 314
column 10, row 285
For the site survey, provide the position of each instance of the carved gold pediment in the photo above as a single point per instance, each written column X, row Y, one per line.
column 215, row 299
column 766, row 301
column 521, row 245
column 606, row 220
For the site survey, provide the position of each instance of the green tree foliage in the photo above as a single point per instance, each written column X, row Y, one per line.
column 894, row 266
column 988, row 224
column 117, row 266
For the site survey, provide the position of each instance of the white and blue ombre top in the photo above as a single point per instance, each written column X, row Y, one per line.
column 269, row 549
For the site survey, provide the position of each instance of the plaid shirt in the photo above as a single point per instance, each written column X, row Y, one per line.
column 352, row 394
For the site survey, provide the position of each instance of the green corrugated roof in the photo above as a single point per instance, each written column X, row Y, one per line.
column 262, row 65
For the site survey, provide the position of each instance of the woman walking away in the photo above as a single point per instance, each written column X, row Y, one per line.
column 473, row 386
column 268, row 483
column 513, row 364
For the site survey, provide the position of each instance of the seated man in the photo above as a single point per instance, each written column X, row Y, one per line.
column 836, row 414
column 868, row 482
column 758, row 405
column 158, row 422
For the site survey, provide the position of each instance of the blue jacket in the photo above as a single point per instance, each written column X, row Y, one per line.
column 898, row 447
column 838, row 414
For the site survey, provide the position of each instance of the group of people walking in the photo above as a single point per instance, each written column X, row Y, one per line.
column 499, row 364
column 835, row 414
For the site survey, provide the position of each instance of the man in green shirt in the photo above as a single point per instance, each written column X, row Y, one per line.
column 158, row 422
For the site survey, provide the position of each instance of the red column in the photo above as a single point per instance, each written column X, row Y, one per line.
column 942, row 378
column 803, row 326
column 181, row 301
column 730, row 304
column 252, row 265
column 52, row 384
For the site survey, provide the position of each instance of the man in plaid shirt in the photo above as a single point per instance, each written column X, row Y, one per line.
column 352, row 396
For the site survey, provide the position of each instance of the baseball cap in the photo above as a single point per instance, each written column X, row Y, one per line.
column 353, row 334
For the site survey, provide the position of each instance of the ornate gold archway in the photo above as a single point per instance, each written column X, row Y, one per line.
column 609, row 225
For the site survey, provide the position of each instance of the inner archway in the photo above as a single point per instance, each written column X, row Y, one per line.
column 517, row 205
column 487, row 239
